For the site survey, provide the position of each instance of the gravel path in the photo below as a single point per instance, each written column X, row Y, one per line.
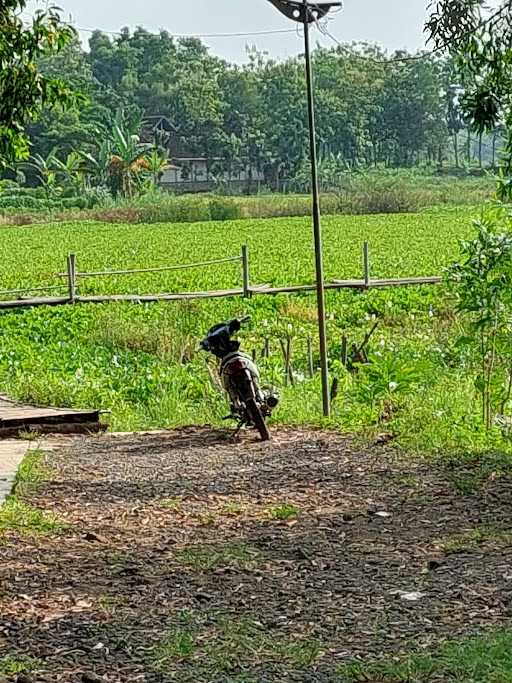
column 188, row 557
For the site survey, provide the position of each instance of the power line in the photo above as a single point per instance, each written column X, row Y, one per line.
column 197, row 35
column 245, row 34
column 323, row 28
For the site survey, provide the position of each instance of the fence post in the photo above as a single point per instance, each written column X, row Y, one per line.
column 311, row 363
column 366, row 265
column 245, row 271
column 72, row 278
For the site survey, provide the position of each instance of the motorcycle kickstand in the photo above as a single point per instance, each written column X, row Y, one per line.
column 238, row 430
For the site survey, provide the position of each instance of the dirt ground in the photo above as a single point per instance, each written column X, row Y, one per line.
column 188, row 557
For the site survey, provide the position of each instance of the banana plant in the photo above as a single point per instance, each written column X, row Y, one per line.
column 122, row 162
column 71, row 172
column 157, row 162
column 128, row 162
column 45, row 169
column 97, row 167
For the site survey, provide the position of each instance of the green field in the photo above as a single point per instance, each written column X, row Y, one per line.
column 141, row 362
column 281, row 250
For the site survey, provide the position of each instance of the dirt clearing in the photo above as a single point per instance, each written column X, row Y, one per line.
column 183, row 556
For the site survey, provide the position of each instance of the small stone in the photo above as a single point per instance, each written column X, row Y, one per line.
column 411, row 597
column 433, row 565
column 24, row 678
column 89, row 677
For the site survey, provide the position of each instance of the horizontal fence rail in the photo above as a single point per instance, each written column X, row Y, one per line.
column 49, row 288
column 160, row 269
column 246, row 290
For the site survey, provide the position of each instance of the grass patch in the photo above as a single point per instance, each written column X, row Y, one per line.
column 174, row 504
column 32, row 472
column 18, row 515
column 15, row 515
column 283, row 512
column 220, row 644
column 468, row 473
column 10, row 665
column 375, row 191
column 117, row 558
column 204, row 558
column 486, row 659
column 233, row 508
column 111, row 603
column 28, row 435
column 472, row 539
column 179, row 645
column 302, row 653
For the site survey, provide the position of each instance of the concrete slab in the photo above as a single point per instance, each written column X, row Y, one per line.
column 12, row 453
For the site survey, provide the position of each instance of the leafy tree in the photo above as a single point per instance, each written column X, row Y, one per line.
column 24, row 90
column 482, row 283
column 249, row 117
column 481, row 41
column 75, row 127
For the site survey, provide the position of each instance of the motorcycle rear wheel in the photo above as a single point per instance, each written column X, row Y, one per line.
column 257, row 419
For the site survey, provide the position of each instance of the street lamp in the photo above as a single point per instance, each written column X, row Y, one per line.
column 305, row 13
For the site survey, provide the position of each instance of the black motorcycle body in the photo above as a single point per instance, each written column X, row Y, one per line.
column 240, row 377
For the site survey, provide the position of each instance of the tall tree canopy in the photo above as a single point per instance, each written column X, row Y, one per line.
column 370, row 111
column 481, row 39
column 24, row 90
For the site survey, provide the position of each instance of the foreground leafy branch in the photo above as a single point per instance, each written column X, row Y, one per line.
column 24, row 91
column 482, row 283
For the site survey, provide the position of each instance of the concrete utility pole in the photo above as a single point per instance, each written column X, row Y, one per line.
column 306, row 13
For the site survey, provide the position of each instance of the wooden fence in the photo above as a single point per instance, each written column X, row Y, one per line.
column 72, row 279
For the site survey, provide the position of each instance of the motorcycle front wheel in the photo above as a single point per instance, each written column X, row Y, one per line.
column 257, row 419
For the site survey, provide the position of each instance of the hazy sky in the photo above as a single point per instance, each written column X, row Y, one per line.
column 393, row 23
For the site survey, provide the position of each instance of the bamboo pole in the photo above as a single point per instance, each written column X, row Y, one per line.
column 311, row 364
column 107, row 273
column 366, row 265
column 246, row 278
column 72, row 278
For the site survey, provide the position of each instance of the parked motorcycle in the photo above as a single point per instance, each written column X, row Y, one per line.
column 250, row 404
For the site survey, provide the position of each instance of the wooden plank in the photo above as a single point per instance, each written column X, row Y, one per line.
column 18, row 420
column 16, row 417
column 404, row 282
column 397, row 282
column 10, row 407
column 11, row 432
column 130, row 298
column 340, row 284
column 40, row 301
column 72, row 278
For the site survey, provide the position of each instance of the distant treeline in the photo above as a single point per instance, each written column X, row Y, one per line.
column 370, row 110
